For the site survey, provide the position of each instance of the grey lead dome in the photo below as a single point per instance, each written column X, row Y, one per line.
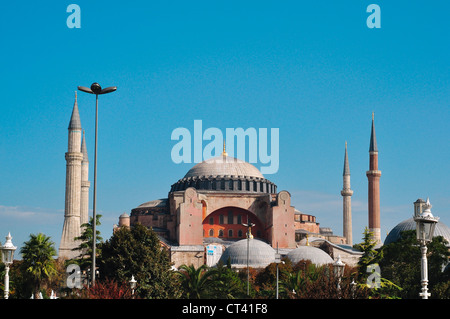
column 409, row 224
column 222, row 166
column 260, row 254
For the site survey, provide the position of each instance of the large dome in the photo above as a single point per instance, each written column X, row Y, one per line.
column 225, row 173
column 260, row 254
column 409, row 224
column 224, row 166
column 316, row 255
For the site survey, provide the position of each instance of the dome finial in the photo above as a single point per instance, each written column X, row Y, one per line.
column 224, row 153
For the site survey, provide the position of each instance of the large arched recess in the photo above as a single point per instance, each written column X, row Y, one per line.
column 226, row 223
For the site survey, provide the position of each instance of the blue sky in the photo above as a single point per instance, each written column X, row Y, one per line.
column 313, row 70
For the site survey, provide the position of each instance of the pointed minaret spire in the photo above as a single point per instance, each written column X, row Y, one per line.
column 85, row 184
column 84, row 149
column 346, row 166
column 347, row 201
column 75, row 123
column 373, row 139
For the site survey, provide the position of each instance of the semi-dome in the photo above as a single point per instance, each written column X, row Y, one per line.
column 316, row 255
column 409, row 224
column 225, row 173
column 260, row 254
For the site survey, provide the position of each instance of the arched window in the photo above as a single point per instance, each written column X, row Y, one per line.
column 239, row 233
column 230, row 216
column 211, row 233
column 220, row 232
column 230, row 233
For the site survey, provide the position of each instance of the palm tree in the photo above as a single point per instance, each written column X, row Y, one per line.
column 38, row 263
column 196, row 282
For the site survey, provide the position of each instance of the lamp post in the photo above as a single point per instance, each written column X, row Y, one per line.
column 425, row 225
column 249, row 226
column 97, row 90
column 132, row 284
column 278, row 261
column 7, row 258
column 338, row 267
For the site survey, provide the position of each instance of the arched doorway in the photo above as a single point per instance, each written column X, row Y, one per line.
column 227, row 223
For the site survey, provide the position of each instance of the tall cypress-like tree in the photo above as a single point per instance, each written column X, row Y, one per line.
column 370, row 255
column 86, row 240
column 137, row 252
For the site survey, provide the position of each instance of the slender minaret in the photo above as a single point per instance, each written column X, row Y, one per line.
column 71, row 227
column 85, row 184
column 347, row 201
column 373, row 175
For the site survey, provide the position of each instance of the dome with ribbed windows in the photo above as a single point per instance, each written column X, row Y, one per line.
column 225, row 173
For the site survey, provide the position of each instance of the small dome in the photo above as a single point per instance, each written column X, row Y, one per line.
column 409, row 224
column 224, row 165
column 315, row 255
column 260, row 254
column 124, row 215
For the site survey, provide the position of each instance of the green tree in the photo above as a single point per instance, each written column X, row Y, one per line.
column 227, row 284
column 370, row 255
column 38, row 263
column 401, row 264
column 137, row 251
column 86, row 240
column 196, row 282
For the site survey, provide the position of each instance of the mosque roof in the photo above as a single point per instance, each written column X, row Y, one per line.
column 224, row 165
column 409, row 224
column 316, row 255
column 154, row 203
column 260, row 254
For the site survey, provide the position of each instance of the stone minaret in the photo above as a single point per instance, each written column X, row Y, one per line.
column 347, row 201
column 373, row 175
column 85, row 184
column 74, row 157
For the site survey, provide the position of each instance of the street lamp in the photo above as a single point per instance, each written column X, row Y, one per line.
column 278, row 261
column 132, row 284
column 97, row 90
column 7, row 258
column 425, row 224
column 338, row 267
column 249, row 226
